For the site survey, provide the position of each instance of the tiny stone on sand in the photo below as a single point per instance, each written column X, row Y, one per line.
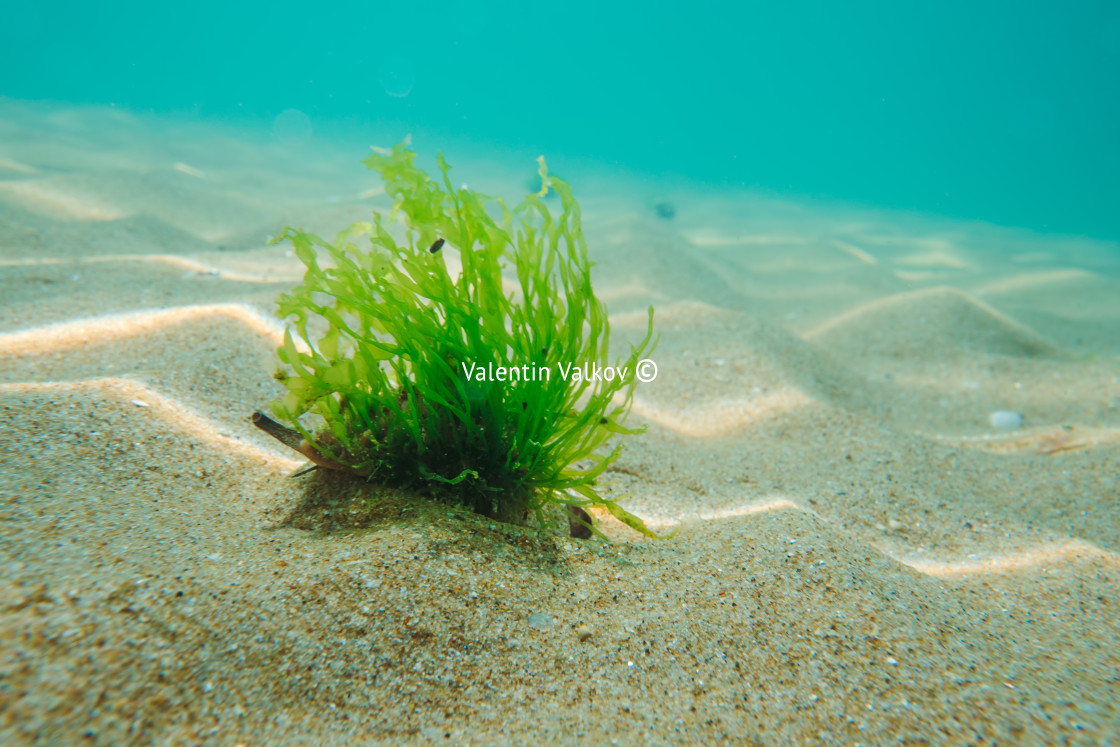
column 1007, row 420
column 539, row 621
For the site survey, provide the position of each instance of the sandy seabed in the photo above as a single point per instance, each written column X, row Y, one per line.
column 860, row 556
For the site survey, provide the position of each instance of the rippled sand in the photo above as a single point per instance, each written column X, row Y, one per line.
column 859, row 553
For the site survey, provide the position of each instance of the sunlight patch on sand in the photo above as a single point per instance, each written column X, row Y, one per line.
column 1073, row 550
column 917, row 276
column 1059, row 552
column 855, row 251
column 19, row 168
column 619, row 293
column 186, row 263
column 167, row 409
column 713, row 238
column 189, row 170
column 915, row 297
column 722, row 418
column 678, row 312
column 757, row 507
column 1030, row 258
column 1035, row 280
column 51, row 201
column 215, row 235
column 74, row 334
column 933, row 259
column 763, row 505
column 1048, row 441
column 930, row 244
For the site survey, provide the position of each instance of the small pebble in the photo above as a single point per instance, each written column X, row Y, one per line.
column 584, row 633
column 539, row 621
column 579, row 523
column 665, row 209
column 1006, row 420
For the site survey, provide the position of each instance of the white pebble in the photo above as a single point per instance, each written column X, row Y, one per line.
column 1006, row 420
column 539, row 621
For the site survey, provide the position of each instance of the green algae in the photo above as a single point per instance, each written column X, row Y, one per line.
column 397, row 354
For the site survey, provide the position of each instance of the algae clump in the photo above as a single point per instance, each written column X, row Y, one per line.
column 394, row 345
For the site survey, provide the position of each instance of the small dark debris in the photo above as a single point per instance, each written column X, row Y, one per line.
column 579, row 523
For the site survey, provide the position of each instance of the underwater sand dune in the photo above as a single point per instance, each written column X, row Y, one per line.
column 136, row 234
column 206, row 215
column 637, row 250
column 186, row 421
column 87, row 333
column 59, row 292
column 221, row 266
column 1074, row 308
column 862, row 550
column 1047, row 440
column 930, row 324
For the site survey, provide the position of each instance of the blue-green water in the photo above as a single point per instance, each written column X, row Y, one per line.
column 999, row 111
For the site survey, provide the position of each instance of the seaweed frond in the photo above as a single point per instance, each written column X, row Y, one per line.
column 398, row 352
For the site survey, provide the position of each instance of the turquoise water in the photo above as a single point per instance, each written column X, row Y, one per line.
column 998, row 111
